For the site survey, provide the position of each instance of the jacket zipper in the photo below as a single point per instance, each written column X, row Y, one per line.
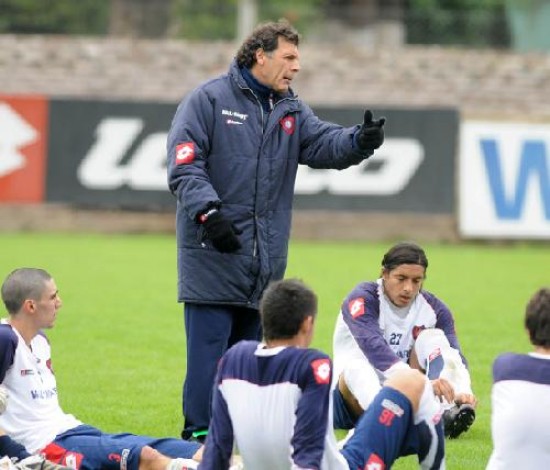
column 273, row 105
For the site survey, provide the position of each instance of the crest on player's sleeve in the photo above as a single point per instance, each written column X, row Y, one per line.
column 321, row 370
column 356, row 307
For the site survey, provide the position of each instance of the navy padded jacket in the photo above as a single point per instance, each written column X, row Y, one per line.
column 225, row 150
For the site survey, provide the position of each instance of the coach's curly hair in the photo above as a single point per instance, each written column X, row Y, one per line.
column 265, row 36
column 537, row 318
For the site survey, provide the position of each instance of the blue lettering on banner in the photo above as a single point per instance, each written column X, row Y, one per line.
column 533, row 162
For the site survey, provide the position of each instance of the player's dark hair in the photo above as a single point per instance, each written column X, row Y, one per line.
column 537, row 318
column 404, row 253
column 265, row 36
column 284, row 307
column 23, row 284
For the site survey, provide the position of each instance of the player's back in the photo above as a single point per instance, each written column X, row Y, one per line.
column 278, row 400
column 520, row 412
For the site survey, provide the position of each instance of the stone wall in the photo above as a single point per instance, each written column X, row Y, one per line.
column 480, row 83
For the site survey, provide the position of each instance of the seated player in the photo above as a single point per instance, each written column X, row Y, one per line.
column 272, row 401
column 393, row 324
column 521, row 396
column 13, row 456
column 33, row 416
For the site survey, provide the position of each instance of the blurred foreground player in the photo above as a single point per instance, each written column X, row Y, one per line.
column 272, row 400
column 520, row 420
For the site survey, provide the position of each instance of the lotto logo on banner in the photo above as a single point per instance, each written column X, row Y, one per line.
column 504, row 171
column 398, row 161
column 114, row 153
column 22, row 148
column 107, row 153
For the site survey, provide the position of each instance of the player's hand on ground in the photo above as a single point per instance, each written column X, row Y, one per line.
column 3, row 399
column 370, row 135
column 465, row 398
column 443, row 390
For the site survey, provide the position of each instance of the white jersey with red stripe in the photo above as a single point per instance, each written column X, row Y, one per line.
column 33, row 416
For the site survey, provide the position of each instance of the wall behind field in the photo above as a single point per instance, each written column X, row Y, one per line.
column 478, row 82
column 481, row 84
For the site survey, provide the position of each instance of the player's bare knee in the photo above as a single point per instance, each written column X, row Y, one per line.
column 152, row 459
column 410, row 383
column 198, row 455
column 148, row 453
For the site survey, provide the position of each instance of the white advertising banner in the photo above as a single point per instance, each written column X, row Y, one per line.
column 504, row 180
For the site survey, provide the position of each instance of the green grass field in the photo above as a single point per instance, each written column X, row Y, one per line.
column 119, row 348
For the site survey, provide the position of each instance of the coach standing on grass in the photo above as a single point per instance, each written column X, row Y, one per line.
column 233, row 153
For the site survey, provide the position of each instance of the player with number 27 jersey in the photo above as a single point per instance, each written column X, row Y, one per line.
column 384, row 333
column 393, row 324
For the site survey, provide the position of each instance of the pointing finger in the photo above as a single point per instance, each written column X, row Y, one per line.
column 367, row 120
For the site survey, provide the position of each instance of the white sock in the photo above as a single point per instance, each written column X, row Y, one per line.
column 182, row 464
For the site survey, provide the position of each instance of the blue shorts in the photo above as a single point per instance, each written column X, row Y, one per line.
column 342, row 417
column 386, row 431
column 88, row 448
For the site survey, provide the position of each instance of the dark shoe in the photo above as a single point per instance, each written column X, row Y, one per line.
column 458, row 419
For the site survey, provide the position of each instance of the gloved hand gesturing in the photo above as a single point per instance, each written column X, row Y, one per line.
column 221, row 232
column 370, row 135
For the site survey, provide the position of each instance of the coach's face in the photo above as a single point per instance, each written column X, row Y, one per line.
column 277, row 69
column 403, row 283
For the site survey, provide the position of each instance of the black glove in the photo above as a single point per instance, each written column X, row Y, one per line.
column 370, row 135
column 221, row 232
